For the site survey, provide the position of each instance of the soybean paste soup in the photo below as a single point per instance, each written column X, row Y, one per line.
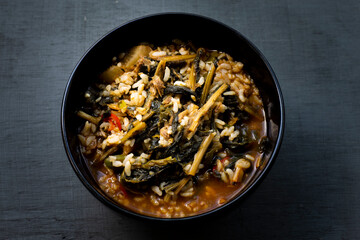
column 173, row 131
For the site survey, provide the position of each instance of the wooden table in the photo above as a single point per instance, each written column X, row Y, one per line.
column 312, row 191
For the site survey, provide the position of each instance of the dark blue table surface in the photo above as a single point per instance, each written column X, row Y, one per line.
column 312, row 191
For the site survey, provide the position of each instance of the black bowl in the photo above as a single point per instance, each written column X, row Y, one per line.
column 160, row 29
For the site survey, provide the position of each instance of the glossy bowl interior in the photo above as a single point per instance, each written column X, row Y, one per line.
column 161, row 29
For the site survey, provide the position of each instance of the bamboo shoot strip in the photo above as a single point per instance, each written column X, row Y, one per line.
column 106, row 154
column 200, row 154
column 92, row 119
column 192, row 78
column 205, row 108
column 207, row 85
column 138, row 127
column 178, row 58
column 182, row 183
column 195, row 71
column 160, row 68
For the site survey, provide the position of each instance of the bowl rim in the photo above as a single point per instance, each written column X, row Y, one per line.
column 254, row 184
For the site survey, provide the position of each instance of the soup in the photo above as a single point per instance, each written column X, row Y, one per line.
column 173, row 131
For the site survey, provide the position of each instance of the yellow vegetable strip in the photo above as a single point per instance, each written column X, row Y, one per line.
column 106, row 154
column 195, row 65
column 148, row 115
column 177, row 58
column 159, row 68
column 192, row 79
column 92, row 119
column 207, row 84
column 182, row 183
column 138, row 127
column 200, row 154
column 205, row 108
column 110, row 74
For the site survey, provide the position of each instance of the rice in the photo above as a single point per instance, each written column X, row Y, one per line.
column 127, row 79
column 183, row 51
column 180, row 83
column 130, row 143
column 221, row 122
column 201, row 81
column 144, row 78
column 224, row 177
column 145, row 156
column 228, row 93
column 136, row 99
column 224, row 66
column 127, row 168
column 233, row 135
column 137, row 84
column 138, row 117
column 227, row 131
column 201, row 64
column 166, row 74
column 241, row 95
column 176, row 104
column 242, row 163
column 158, row 53
column 248, row 156
column 112, row 139
column 117, row 164
column 125, row 123
column 164, row 142
column 230, row 173
column 183, row 70
column 157, row 190
column 184, row 121
column 187, row 167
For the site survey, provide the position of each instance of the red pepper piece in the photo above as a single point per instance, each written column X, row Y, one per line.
column 114, row 122
column 117, row 121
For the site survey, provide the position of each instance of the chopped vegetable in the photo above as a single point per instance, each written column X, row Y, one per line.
column 160, row 68
column 138, row 127
column 204, row 109
column 181, row 184
column 199, row 155
column 192, row 79
column 141, row 174
column 110, row 74
column 134, row 55
column 176, row 58
column 194, row 74
column 94, row 120
column 208, row 82
column 186, row 92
